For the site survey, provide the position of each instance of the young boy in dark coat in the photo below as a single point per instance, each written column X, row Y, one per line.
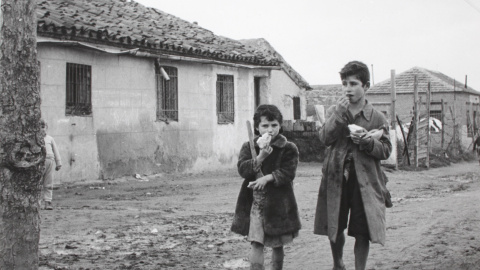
column 266, row 209
column 357, row 138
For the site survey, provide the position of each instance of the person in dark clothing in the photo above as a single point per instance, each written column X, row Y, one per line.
column 476, row 146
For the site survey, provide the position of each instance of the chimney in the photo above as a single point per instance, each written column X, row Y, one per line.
column 465, row 81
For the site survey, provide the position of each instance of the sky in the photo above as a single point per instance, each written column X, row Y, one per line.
column 318, row 37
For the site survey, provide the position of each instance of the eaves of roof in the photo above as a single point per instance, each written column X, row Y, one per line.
column 130, row 25
column 267, row 49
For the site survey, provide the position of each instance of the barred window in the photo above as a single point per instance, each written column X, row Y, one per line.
column 297, row 114
column 167, row 93
column 79, row 90
column 225, row 99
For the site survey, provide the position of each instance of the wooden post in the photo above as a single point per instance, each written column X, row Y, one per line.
column 415, row 121
column 470, row 121
column 393, row 111
column 452, row 113
column 404, row 140
column 427, row 161
column 454, row 116
column 442, row 119
column 394, row 98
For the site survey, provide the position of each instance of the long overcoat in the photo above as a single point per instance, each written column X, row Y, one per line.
column 280, row 210
column 335, row 135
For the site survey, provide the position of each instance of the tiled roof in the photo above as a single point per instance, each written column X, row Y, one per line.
column 439, row 82
column 328, row 88
column 129, row 25
column 262, row 45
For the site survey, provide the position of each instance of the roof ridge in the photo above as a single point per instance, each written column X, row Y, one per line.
column 269, row 49
column 404, row 81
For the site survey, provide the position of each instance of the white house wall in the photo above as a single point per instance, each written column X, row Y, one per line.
column 123, row 137
column 75, row 136
column 283, row 90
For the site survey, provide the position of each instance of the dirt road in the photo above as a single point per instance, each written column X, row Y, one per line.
column 182, row 222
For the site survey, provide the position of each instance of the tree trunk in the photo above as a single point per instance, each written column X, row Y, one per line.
column 22, row 148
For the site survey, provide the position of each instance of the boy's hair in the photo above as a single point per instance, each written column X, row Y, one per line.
column 43, row 123
column 271, row 112
column 357, row 69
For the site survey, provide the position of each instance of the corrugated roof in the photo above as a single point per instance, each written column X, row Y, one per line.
column 128, row 25
column 264, row 46
column 439, row 82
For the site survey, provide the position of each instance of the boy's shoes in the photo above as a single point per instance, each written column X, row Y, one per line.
column 48, row 206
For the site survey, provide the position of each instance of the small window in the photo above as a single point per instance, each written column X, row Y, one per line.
column 225, row 99
column 167, row 93
column 256, row 89
column 297, row 114
column 79, row 90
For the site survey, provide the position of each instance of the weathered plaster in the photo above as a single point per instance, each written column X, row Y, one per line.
column 123, row 136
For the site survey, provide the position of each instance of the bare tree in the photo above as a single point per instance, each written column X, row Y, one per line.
column 21, row 142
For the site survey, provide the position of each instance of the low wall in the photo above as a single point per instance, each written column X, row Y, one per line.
column 305, row 135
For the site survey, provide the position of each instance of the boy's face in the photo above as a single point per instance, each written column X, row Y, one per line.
column 270, row 127
column 353, row 89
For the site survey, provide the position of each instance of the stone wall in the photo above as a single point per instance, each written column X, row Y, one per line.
column 305, row 135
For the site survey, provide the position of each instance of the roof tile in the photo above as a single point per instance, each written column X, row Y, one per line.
column 130, row 24
column 404, row 82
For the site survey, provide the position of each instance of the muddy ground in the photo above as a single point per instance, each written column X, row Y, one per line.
column 182, row 222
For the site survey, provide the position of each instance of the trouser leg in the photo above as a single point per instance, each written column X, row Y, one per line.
column 48, row 181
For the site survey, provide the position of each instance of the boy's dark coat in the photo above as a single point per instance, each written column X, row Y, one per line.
column 334, row 134
column 280, row 211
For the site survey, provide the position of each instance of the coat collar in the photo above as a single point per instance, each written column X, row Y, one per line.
column 279, row 141
column 367, row 111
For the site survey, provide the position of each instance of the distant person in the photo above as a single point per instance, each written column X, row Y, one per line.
column 357, row 138
column 52, row 157
column 476, row 146
column 266, row 209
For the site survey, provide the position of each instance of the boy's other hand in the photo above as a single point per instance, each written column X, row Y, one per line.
column 360, row 138
column 58, row 167
column 342, row 105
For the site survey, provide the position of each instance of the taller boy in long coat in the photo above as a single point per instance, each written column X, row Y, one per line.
column 352, row 178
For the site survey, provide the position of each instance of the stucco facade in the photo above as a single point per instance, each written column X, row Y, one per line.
column 283, row 89
column 122, row 136
column 465, row 103
column 460, row 102
column 110, row 103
